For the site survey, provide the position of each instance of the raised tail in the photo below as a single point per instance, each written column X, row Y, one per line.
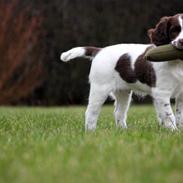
column 85, row 52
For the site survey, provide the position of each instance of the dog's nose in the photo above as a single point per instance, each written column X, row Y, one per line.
column 181, row 42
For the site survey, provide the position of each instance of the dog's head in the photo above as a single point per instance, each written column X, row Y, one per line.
column 168, row 30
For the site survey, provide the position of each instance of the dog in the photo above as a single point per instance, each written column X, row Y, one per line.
column 121, row 70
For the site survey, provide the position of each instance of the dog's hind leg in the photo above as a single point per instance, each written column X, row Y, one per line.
column 98, row 95
column 122, row 103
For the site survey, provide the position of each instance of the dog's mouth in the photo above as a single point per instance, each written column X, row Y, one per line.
column 177, row 45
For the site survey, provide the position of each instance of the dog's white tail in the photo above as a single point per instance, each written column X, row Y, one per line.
column 85, row 52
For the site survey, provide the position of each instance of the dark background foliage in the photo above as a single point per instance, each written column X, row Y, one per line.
column 71, row 23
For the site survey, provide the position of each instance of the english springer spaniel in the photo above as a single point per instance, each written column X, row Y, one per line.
column 121, row 69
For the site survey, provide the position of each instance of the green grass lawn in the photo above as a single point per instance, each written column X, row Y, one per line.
column 40, row 145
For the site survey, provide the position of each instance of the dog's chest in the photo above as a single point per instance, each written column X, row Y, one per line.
column 177, row 72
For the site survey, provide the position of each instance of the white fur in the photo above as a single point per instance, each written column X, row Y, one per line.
column 175, row 42
column 179, row 110
column 104, row 79
column 73, row 53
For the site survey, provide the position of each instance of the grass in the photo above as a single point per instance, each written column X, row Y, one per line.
column 45, row 145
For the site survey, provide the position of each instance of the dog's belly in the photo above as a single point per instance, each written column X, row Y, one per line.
column 137, row 87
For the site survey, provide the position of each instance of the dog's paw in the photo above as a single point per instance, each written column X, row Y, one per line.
column 169, row 125
column 121, row 125
column 73, row 53
column 179, row 125
column 90, row 127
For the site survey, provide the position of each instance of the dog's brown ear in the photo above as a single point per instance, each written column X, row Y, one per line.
column 159, row 35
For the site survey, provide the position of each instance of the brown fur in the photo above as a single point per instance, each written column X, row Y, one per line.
column 143, row 71
column 125, row 70
column 91, row 51
column 165, row 31
column 174, row 27
column 159, row 35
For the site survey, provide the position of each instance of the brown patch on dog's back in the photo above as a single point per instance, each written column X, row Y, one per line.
column 123, row 67
column 143, row 71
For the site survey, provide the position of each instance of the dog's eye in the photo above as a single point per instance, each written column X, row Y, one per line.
column 174, row 31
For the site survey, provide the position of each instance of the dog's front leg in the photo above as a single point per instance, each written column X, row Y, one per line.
column 165, row 113
column 179, row 111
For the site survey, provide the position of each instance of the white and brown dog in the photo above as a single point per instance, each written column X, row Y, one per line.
column 122, row 69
